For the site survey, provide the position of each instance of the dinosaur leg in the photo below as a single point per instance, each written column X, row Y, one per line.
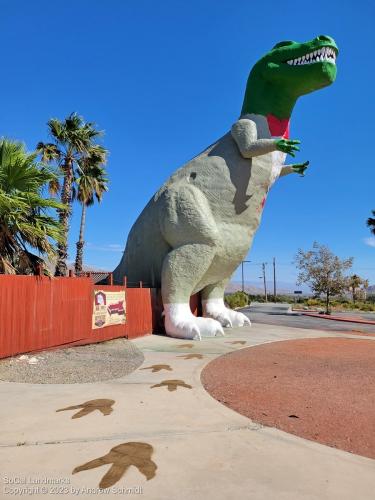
column 191, row 232
column 182, row 269
column 214, row 307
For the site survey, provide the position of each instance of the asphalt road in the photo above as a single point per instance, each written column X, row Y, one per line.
column 297, row 320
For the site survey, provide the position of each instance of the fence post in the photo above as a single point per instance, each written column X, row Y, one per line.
column 125, row 282
column 141, row 284
column 110, row 278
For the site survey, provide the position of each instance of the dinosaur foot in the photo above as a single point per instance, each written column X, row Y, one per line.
column 216, row 309
column 182, row 324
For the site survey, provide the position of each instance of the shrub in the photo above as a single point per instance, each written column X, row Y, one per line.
column 367, row 307
column 237, row 299
column 313, row 302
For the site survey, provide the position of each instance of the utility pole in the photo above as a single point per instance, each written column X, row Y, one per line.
column 264, row 280
column 274, row 279
column 243, row 281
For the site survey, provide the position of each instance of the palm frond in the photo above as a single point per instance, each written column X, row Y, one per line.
column 371, row 222
column 26, row 220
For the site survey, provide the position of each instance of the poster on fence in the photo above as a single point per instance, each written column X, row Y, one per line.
column 109, row 309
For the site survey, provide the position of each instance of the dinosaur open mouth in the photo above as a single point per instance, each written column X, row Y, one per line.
column 320, row 55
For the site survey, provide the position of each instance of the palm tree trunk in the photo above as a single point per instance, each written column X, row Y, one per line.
column 80, row 243
column 64, row 215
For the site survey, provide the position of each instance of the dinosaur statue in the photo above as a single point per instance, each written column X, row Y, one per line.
column 199, row 226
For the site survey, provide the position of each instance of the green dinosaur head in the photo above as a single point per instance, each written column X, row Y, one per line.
column 286, row 72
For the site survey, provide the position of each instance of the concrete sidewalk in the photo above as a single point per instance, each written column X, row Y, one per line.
column 202, row 449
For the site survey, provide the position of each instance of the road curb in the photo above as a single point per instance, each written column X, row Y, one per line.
column 339, row 318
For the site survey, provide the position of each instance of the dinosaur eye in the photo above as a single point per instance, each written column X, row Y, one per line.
column 283, row 44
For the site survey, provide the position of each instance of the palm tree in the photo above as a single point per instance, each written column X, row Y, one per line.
column 92, row 183
column 72, row 140
column 25, row 219
column 371, row 222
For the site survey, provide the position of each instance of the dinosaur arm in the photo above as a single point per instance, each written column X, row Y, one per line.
column 298, row 168
column 286, row 170
column 244, row 133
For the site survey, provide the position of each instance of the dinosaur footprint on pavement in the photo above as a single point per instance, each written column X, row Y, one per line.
column 191, row 356
column 102, row 405
column 172, row 385
column 157, row 368
column 122, row 457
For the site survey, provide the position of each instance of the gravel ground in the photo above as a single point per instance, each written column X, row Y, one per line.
column 74, row 365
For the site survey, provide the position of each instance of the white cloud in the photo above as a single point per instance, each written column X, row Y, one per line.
column 110, row 247
column 370, row 241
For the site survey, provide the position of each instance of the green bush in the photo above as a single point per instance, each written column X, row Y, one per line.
column 313, row 302
column 366, row 307
column 237, row 299
column 347, row 305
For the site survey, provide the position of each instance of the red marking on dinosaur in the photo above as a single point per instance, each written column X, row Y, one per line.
column 278, row 127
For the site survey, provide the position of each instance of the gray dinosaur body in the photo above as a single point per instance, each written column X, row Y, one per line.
column 204, row 217
column 199, row 226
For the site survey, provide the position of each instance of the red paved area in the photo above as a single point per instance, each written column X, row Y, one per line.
column 320, row 389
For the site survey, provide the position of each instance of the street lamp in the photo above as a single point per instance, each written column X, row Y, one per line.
column 264, row 279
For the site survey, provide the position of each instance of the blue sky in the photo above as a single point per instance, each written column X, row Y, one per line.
column 165, row 78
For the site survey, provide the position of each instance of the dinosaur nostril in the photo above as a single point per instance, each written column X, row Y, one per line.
column 324, row 38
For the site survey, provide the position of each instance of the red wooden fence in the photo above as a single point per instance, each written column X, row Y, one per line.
column 40, row 312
